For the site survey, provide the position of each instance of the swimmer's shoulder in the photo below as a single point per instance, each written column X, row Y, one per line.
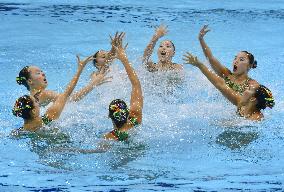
column 151, row 66
column 253, row 83
column 178, row 66
column 47, row 96
column 256, row 116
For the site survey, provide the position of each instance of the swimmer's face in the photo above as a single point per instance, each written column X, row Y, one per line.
column 166, row 51
column 101, row 59
column 37, row 78
column 241, row 64
column 248, row 95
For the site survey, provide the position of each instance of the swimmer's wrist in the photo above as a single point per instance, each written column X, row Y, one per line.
column 155, row 37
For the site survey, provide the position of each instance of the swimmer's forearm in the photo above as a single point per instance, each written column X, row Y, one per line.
column 130, row 72
column 215, row 64
column 78, row 95
column 220, row 84
column 70, row 87
column 206, row 50
column 149, row 49
column 212, row 77
column 111, row 55
column 54, row 111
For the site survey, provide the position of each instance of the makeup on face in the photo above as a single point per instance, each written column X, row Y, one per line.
column 166, row 49
column 240, row 63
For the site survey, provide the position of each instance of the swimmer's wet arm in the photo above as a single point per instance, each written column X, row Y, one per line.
column 149, row 49
column 220, row 84
column 216, row 80
column 96, row 80
column 136, row 101
column 54, row 111
column 111, row 55
column 114, row 43
column 160, row 32
column 48, row 96
column 220, row 69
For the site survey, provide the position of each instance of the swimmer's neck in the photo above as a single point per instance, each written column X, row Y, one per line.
column 240, row 77
column 33, row 124
column 165, row 64
column 123, row 128
column 250, row 110
column 36, row 90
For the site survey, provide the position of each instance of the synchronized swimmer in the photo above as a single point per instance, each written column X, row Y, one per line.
column 247, row 94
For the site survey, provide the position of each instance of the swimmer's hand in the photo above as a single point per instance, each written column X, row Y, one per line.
column 120, row 49
column 203, row 31
column 99, row 78
column 82, row 64
column 161, row 31
column 115, row 41
column 191, row 59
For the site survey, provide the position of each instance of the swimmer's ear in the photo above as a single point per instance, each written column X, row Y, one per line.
column 33, row 111
column 252, row 99
column 29, row 81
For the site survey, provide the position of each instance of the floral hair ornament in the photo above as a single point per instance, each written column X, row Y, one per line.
column 120, row 112
column 20, row 79
column 269, row 101
column 18, row 108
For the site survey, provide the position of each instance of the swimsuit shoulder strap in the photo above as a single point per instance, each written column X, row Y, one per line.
column 119, row 135
column 133, row 121
column 45, row 120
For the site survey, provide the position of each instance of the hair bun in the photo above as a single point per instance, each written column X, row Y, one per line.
column 254, row 65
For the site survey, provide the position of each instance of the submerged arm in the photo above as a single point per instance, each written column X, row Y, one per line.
column 220, row 69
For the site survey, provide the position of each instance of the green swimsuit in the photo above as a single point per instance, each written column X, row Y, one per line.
column 123, row 135
column 240, row 88
column 45, row 121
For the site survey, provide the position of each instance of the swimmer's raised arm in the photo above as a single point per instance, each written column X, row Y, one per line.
column 112, row 53
column 136, row 101
column 160, row 32
column 96, row 80
column 220, row 69
column 54, row 111
column 216, row 80
column 46, row 96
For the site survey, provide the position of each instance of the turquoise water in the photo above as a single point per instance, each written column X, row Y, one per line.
column 190, row 140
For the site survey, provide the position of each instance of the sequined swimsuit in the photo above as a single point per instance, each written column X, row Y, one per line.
column 45, row 121
column 123, row 135
column 240, row 88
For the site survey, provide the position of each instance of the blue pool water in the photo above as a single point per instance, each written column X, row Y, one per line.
column 190, row 140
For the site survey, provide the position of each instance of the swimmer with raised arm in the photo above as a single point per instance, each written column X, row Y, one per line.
column 238, row 80
column 249, row 103
column 124, row 118
column 34, row 79
column 28, row 107
column 103, row 59
column 166, row 52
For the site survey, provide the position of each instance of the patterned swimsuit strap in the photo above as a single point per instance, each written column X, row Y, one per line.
column 119, row 135
column 133, row 121
column 45, row 120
